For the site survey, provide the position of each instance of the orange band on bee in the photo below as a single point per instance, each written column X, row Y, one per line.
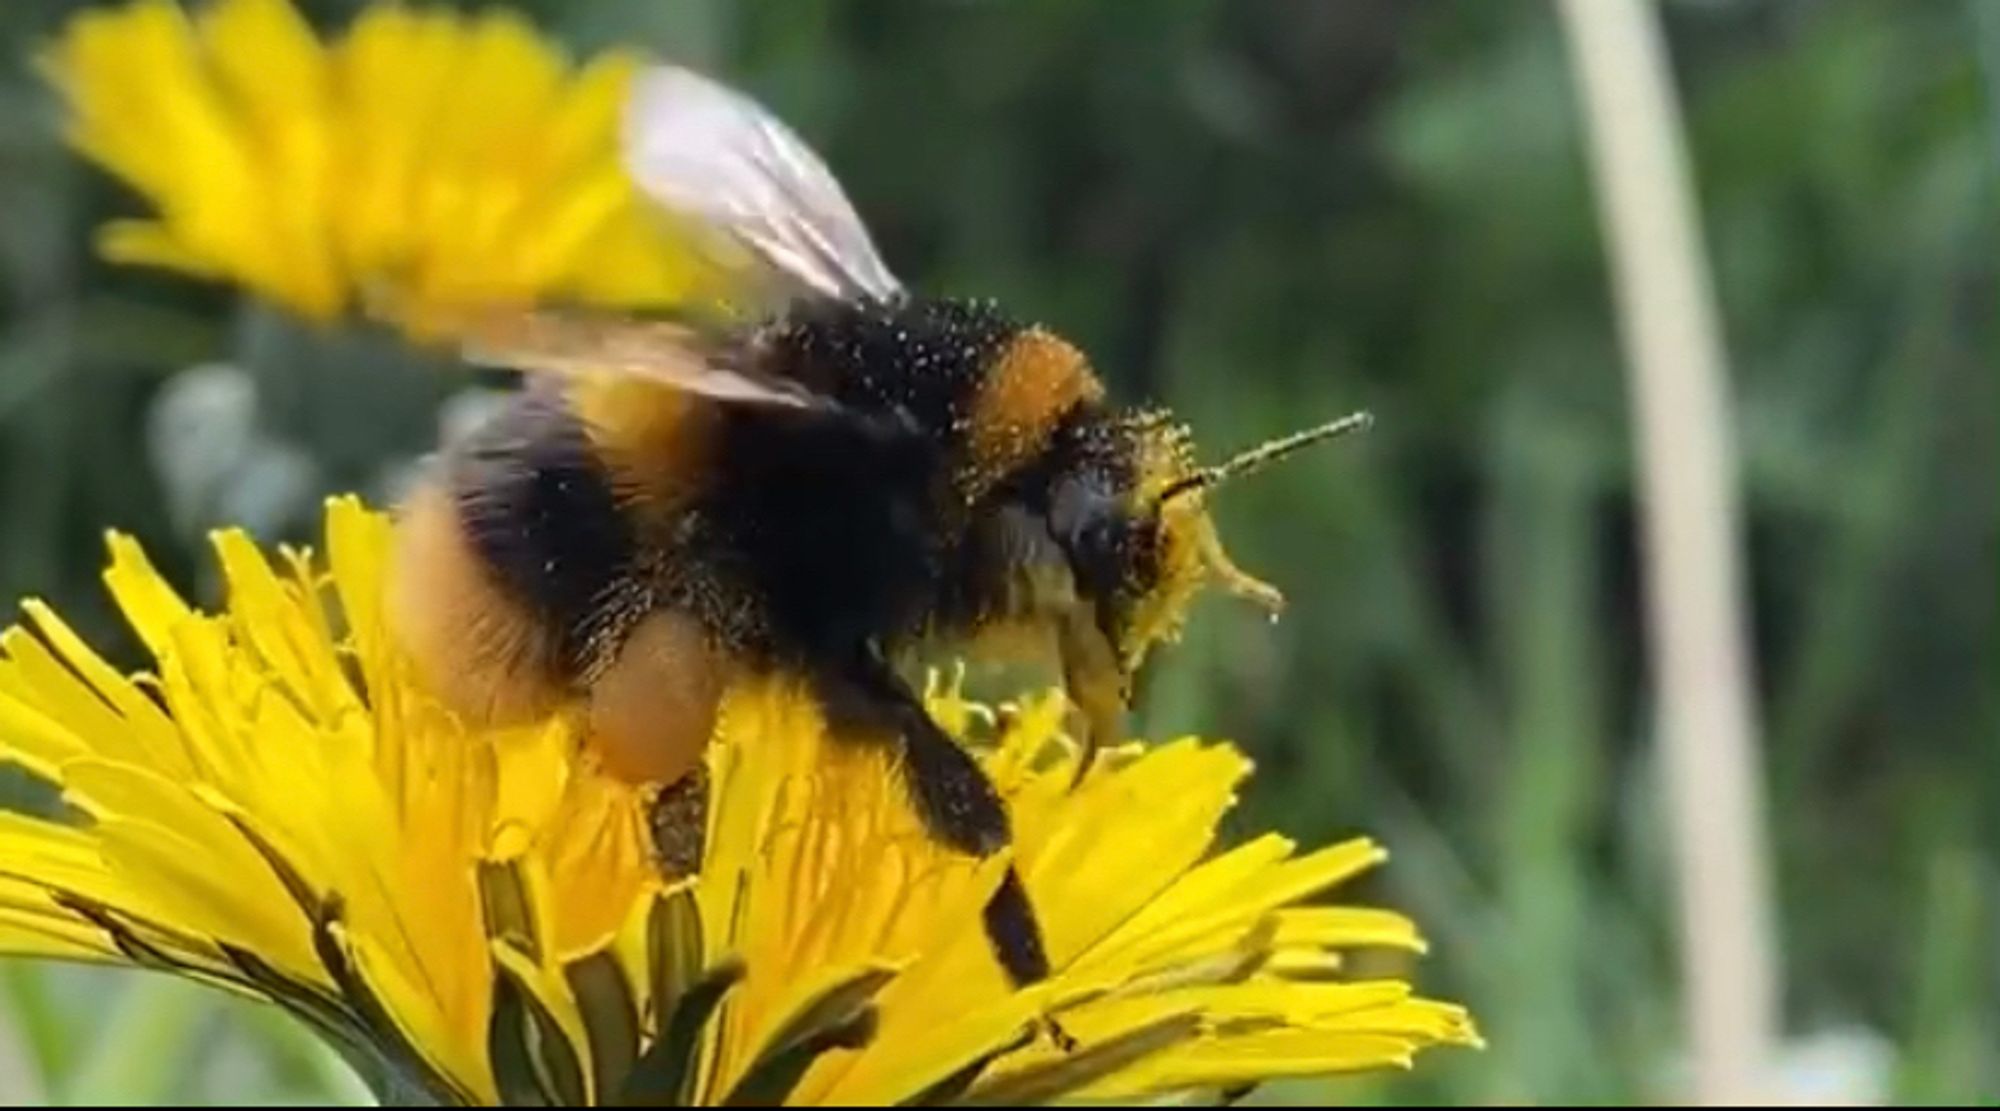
column 1036, row 379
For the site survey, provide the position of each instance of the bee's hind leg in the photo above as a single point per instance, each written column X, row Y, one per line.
column 952, row 795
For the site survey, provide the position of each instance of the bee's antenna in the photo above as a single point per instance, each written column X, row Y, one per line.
column 1245, row 462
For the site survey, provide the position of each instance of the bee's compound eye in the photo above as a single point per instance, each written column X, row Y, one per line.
column 1093, row 527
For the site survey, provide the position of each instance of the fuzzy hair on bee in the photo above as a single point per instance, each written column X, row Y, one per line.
column 823, row 475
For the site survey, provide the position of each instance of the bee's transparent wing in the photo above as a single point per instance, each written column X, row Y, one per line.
column 578, row 344
column 719, row 158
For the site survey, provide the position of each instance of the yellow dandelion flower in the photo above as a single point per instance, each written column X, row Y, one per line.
column 422, row 164
column 279, row 809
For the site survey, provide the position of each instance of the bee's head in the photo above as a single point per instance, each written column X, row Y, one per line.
column 1132, row 513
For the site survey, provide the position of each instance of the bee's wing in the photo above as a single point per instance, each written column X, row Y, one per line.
column 581, row 345
column 719, row 158
column 716, row 159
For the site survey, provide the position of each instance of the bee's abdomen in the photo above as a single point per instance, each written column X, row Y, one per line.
column 541, row 510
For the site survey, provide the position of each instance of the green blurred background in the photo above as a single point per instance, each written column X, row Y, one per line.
column 1264, row 212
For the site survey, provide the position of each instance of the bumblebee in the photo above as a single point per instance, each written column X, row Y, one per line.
column 828, row 476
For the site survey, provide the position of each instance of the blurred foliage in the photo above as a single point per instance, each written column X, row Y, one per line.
column 1265, row 212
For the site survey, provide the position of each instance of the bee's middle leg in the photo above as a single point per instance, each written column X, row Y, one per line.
column 956, row 801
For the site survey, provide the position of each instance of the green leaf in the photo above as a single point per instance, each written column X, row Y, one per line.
column 534, row 1064
column 610, row 1018
column 667, row 1072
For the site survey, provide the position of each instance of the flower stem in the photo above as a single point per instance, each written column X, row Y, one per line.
column 1681, row 414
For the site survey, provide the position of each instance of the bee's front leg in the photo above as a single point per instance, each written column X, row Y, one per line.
column 1096, row 686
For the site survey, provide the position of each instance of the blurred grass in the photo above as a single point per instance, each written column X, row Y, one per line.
column 1267, row 212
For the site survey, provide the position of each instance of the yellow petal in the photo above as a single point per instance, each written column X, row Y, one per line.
column 150, row 606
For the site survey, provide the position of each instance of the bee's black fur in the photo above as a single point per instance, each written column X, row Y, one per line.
column 541, row 510
column 921, row 362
